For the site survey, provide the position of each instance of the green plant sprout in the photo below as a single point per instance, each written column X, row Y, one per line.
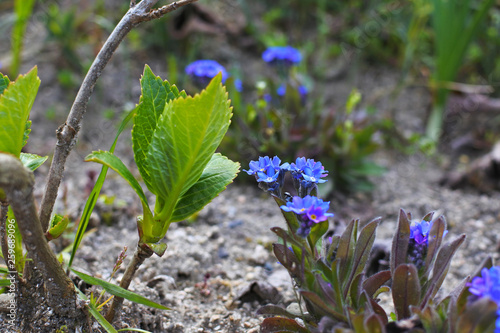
column 174, row 140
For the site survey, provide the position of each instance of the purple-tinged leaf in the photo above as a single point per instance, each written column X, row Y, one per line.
column 288, row 260
column 355, row 291
column 435, row 239
column 275, row 310
column 356, row 320
column 400, row 241
column 362, row 251
column 290, row 239
column 478, row 317
column 441, row 267
column 281, row 325
column 345, row 249
column 374, row 282
column 327, row 291
column 379, row 311
column 457, row 301
column 374, row 324
column 428, row 217
column 322, row 308
column 405, row 289
column 430, row 319
column 332, row 248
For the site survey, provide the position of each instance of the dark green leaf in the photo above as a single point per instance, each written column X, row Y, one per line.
column 119, row 291
column 405, row 289
column 317, row 231
column 275, row 311
column 400, row 241
column 479, row 317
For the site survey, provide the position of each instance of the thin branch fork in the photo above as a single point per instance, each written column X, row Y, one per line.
column 66, row 133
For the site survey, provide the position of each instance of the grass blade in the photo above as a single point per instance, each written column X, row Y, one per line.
column 91, row 201
column 119, row 291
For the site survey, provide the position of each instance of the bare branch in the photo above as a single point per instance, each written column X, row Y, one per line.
column 17, row 183
column 157, row 13
column 66, row 133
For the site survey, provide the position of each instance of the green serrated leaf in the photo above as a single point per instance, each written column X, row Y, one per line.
column 15, row 105
column 219, row 173
column 186, row 136
column 110, row 160
column 32, row 161
column 58, row 224
column 155, row 94
column 27, row 131
column 119, row 291
column 4, row 82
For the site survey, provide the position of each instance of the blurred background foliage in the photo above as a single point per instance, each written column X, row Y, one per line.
column 414, row 38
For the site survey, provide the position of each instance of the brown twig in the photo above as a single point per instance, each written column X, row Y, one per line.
column 17, row 183
column 141, row 254
column 66, row 133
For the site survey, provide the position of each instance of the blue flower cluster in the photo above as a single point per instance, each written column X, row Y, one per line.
column 419, row 240
column 306, row 174
column 310, row 210
column 204, row 70
column 488, row 285
column 282, row 55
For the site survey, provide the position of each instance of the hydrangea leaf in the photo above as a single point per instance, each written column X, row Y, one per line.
column 110, row 160
column 32, row 161
column 15, row 105
column 155, row 93
column 58, row 224
column 4, row 82
column 186, row 136
column 219, row 173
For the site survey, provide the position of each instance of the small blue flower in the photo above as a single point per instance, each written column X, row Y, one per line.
column 313, row 175
column 238, row 85
column 310, row 209
column 269, row 176
column 487, row 285
column 286, row 55
column 281, row 91
column 204, row 70
column 262, row 164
